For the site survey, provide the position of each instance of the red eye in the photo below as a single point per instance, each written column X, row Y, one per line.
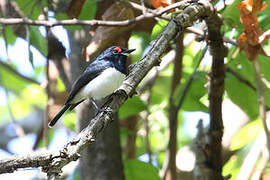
column 117, row 49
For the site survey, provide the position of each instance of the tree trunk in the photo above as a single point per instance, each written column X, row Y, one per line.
column 102, row 160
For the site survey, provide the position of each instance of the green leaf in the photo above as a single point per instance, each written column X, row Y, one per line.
column 233, row 165
column 61, row 16
column 158, row 28
column 89, row 10
column 29, row 50
column 264, row 63
column 43, row 142
column 31, row 58
column 19, row 107
column 10, row 36
column 132, row 106
column 159, row 138
column 196, row 91
column 138, row 41
column 30, row 8
column 34, row 95
column 11, row 81
column 231, row 15
column 37, row 40
column 60, row 86
column 263, row 17
column 243, row 66
column 242, row 95
column 69, row 120
column 160, row 90
column 244, row 136
column 138, row 170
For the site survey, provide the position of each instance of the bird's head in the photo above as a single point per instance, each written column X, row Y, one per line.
column 116, row 53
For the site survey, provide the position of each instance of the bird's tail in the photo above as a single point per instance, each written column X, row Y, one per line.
column 59, row 114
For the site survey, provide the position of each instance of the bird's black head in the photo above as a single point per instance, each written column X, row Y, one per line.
column 116, row 52
column 117, row 56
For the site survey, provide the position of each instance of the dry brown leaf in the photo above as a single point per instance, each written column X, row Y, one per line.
column 250, row 41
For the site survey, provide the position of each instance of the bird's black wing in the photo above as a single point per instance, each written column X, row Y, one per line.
column 91, row 72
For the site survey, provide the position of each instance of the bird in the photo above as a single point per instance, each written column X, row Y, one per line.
column 100, row 79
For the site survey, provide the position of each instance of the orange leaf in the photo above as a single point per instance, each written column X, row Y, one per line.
column 160, row 3
column 251, row 51
column 250, row 40
column 259, row 6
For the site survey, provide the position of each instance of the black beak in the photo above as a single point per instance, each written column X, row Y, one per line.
column 127, row 52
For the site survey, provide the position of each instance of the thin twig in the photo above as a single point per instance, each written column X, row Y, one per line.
column 241, row 78
column 147, row 127
column 190, row 80
column 151, row 77
column 143, row 7
column 70, row 22
column 46, row 115
column 262, row 107
column 252, row 157
column 16, row 21
column 262, row 164
column 13, row 120
column 188, row 29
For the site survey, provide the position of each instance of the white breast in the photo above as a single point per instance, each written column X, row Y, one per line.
column 103, row 85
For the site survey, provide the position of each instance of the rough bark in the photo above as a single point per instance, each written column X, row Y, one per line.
column 210, row 165
column 102, row 160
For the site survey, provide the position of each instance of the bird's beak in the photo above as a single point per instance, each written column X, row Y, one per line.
column 127, row 52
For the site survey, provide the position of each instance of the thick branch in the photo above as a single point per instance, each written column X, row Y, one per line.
column 52, row 162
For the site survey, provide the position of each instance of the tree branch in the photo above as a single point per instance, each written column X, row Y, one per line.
column 69, row 22
column 170, row 172
column 52, row 162
column 189, row 81
column 262, row 107
column 241, row 78
column 211, row 168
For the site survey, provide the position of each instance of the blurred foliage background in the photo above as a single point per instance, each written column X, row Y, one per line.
column 143, row 119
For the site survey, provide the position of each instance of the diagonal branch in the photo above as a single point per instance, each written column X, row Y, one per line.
column 52, row 162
